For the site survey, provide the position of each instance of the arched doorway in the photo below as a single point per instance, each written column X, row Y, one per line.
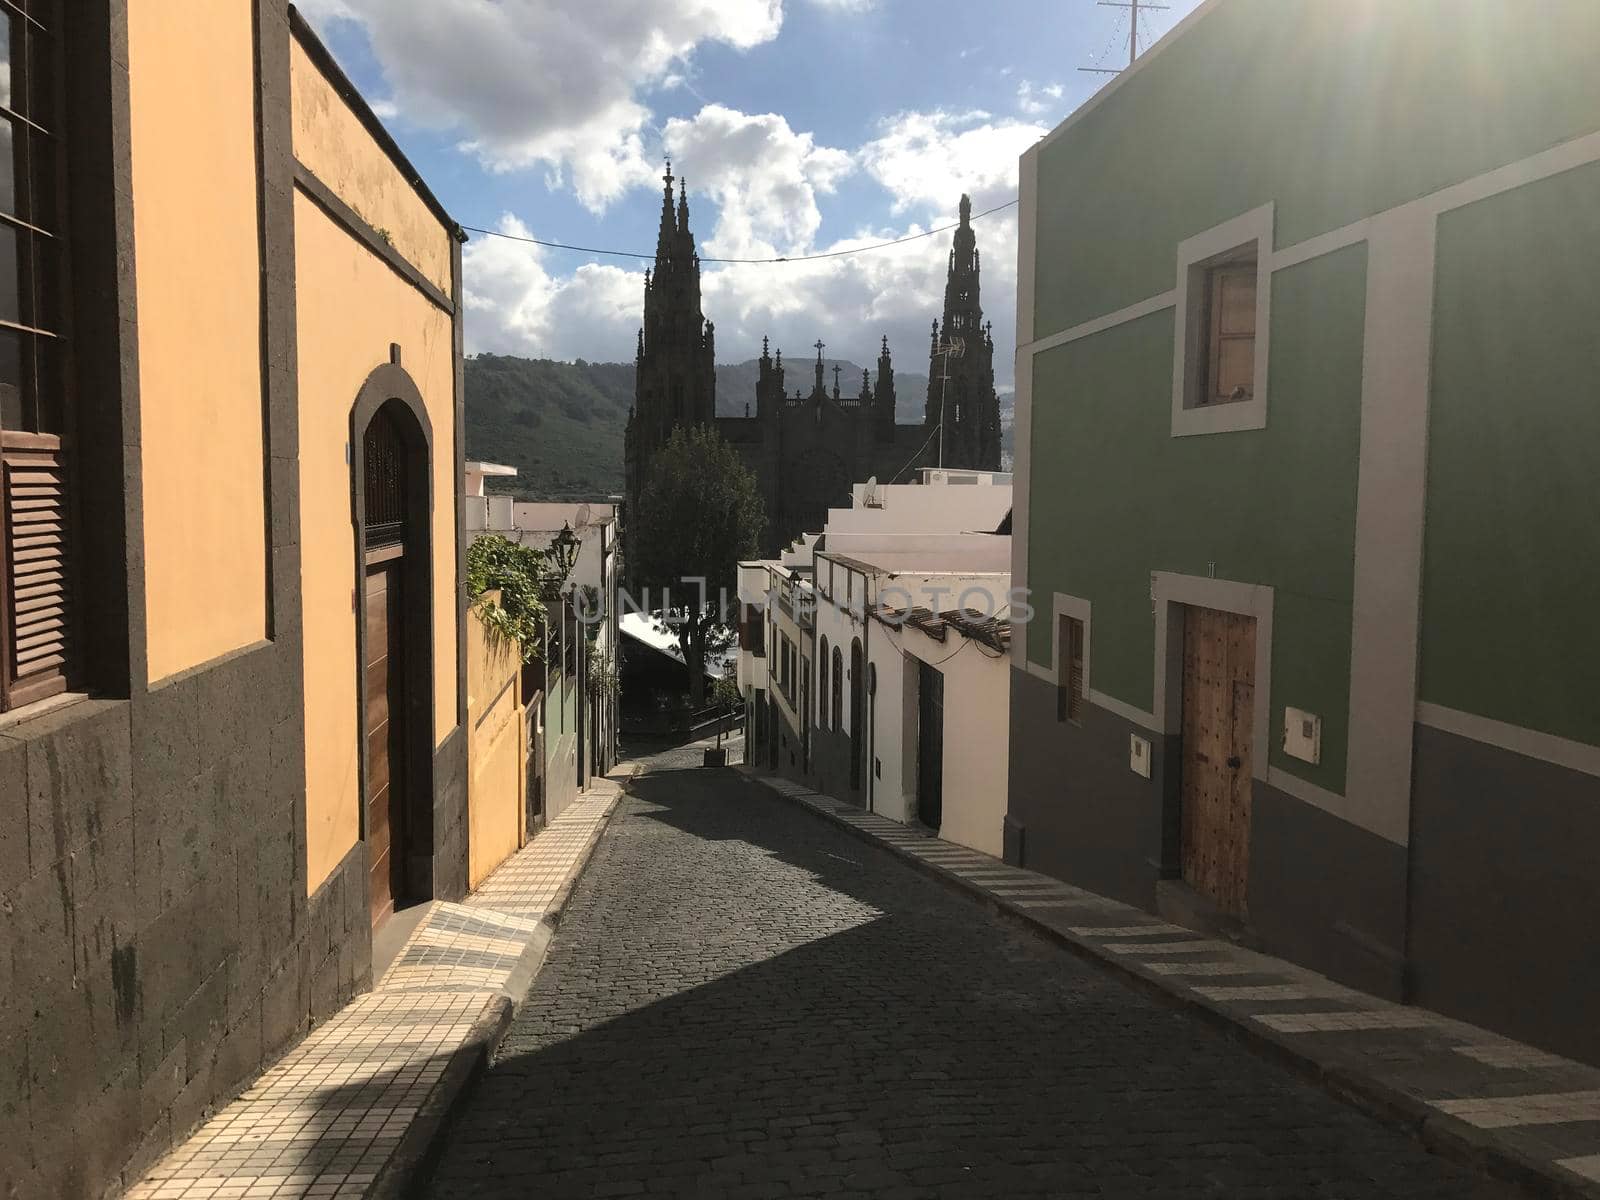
column 394, row 643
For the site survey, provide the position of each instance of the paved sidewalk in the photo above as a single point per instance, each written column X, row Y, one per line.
column 1508, row 1108
column 332, row 1118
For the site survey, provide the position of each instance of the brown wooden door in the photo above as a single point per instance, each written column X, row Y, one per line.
column 385, row 732
column 1219, row 666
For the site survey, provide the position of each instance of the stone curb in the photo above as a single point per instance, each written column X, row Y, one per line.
column 409, row 1170
column 1442, row 1134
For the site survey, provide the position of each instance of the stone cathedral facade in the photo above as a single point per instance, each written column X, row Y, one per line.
column 807, row 446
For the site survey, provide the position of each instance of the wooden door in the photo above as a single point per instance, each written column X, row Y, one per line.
column 385, row 731
column 1219, row 664
column 930, row 746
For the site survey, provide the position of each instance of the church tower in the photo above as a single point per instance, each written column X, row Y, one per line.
column 884, row 402
column 963, row 350
column 675, row 380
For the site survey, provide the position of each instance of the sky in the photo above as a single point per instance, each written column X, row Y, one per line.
column 800, row 126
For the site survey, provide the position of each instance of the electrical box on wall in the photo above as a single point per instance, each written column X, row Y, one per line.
column 1139, row 755
column 1302, row 735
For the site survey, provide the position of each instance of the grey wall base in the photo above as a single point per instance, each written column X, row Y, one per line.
column 160, row 946
column 1321, row 891
column 1504, row 892
column 1075, row 808
column 1498, row 925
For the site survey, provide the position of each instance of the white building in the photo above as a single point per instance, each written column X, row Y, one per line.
column 862, row 645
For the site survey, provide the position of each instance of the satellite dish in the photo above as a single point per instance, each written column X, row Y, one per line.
column 581, row 517
column 869, row 495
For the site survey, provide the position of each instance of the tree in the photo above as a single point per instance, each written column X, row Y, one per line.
column 699, row 514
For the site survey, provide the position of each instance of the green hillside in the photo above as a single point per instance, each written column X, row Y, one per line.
column 559, row 423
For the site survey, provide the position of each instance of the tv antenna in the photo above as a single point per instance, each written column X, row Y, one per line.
column 950, row 347
column 1134, row 7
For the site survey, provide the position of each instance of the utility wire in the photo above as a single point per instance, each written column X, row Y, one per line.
column 910, row 237
column 918, row 454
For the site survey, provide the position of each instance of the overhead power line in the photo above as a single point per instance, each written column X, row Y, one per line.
column 784, row 258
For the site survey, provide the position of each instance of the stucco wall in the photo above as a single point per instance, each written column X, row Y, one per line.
column 494, row 751
column 351, row 307
column 977, row 706
column 196, row 246
column 1274, row 506
column 1385, row 127
column 1510, row 579
column 337, row 147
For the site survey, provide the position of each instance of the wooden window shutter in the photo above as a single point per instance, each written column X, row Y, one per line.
column 1231, row 316
column 33, row 569
column 1069, row 672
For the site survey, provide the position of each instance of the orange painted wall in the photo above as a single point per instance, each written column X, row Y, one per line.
column 350, row 308
column 199, row 296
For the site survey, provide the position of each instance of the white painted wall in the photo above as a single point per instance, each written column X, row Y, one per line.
column 923, row 508
column 977, row 709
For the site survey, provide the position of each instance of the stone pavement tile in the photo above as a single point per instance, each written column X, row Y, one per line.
column 1522, row 1103
column 741, row 1000
column 327, row 1118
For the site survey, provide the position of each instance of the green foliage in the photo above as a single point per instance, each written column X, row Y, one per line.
column 602, row 674
column 526, row 579
column 725, row 693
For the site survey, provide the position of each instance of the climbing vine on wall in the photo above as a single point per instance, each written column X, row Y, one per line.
column 528, row 581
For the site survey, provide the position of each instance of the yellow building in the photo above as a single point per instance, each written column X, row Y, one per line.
column 232, row 636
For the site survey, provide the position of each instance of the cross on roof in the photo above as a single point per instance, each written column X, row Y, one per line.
column 820, row 344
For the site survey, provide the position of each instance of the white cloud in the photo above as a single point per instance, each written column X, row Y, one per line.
column 927, row 159
column 552, row 83
column 515, row 305
column 764, row 179
column 763, row 176
column 1035, row 101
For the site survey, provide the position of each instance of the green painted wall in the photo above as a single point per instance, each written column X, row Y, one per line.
column 1335, row 109
column 1114, row 496
column 1511, row 583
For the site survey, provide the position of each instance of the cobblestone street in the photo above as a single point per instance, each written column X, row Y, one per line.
column 744, row 1001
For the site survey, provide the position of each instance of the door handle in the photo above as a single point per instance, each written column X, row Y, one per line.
column 1234, row 762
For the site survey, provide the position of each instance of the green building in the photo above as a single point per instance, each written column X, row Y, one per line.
column 1308, row 438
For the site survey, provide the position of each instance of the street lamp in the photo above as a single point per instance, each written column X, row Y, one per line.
column 565, row 547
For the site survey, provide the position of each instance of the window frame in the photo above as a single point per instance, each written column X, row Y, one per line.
column 40, row 439
column 1071, row 676
column 1229, row 244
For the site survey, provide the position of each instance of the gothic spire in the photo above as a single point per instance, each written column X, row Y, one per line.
column 669, row 228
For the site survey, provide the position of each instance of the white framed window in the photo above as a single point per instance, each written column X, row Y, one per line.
column 1224, row 316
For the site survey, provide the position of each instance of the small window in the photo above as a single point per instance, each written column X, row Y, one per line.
column 1227, row 367
column 1220, row 369
column 1069, row 671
